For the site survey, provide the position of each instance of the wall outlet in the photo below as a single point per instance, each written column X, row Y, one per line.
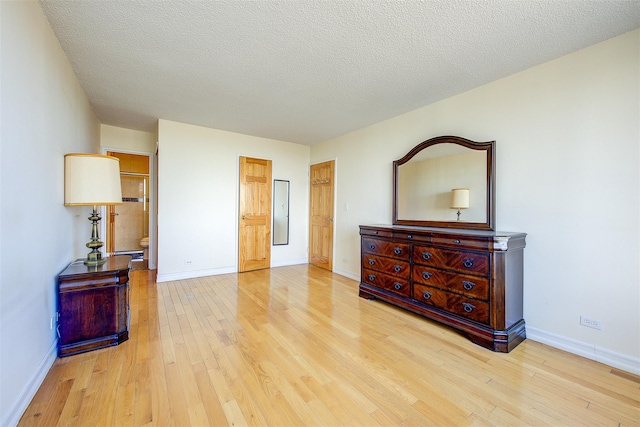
column 591, row 323
column 188, row 262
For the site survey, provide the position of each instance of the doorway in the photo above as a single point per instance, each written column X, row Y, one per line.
column 128, row 223
column 321, row 215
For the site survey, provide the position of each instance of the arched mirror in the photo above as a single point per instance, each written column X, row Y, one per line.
column 447, row 182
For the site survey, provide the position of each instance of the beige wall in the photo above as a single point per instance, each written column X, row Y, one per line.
column 127, row 140
column 45, row 115
column 567, row 135
column 198, row 198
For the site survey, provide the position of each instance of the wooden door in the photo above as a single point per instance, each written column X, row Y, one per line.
column 321, row 215
column 254, row 251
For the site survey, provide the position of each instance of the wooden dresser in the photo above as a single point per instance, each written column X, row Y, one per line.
column 93, row 305
column 470, row 280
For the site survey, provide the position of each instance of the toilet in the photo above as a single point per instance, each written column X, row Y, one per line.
column 145, row 245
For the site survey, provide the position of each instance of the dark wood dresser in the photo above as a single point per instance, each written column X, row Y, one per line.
column 93, row 305
column 470, row 280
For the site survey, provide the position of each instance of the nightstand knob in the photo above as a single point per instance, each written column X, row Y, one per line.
column 468, row 262
column 372, row 246
column 468, row 285
column 397, row 251
column 397, row 286
column 426, row 255
column 372, row 261
column 397, row 268
column 372, row 277
column 468, row 307
column 426, row 295
column 426, row 275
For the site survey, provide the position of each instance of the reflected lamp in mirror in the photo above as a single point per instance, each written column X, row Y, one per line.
column 459, row 199
column 92, row 180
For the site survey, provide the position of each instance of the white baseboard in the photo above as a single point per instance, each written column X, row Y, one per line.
column 12, row 417
column 347, row 274
column 589, row 351
column 168, row 277
column 284, row 263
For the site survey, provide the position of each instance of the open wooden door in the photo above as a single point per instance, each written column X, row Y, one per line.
column 254, row 245
column 321, row 215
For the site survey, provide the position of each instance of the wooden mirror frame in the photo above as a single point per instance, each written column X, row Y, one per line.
column 489, row 147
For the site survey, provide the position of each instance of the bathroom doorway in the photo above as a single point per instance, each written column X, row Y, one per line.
column 128, row 223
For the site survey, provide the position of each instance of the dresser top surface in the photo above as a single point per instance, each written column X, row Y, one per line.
column 112, row 264
column 449, row 231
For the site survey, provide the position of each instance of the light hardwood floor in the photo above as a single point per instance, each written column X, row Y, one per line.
column 296, row 346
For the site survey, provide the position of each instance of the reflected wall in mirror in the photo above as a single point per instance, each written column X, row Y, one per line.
column 425, row 177
column 280, row 212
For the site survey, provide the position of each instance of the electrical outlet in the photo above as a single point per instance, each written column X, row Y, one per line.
column 188, row 262
column 591, row 323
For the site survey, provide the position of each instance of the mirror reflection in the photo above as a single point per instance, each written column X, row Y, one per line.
column 440, row 169
column 280, row 212
column 446, row 181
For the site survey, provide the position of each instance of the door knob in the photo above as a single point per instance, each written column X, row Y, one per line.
column 330, row 219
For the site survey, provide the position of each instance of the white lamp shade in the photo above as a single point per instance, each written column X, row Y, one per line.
column 460, row 198
column 91, row 180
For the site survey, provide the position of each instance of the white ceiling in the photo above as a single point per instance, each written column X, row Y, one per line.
column 310, row 70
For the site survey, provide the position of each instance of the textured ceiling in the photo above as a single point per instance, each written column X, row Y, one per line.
column 309, row 70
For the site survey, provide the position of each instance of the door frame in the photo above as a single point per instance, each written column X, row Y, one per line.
column 153, row 206
column 335, row 207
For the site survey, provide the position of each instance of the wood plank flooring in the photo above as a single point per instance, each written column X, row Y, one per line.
column 296, row 346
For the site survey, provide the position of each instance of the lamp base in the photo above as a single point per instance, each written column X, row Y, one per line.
column 95, row 256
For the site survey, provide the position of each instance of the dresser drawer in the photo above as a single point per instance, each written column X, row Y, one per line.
column 379, row 233
column 463, row 261
column 385, row 281
column 472, row 286
column 460, row 241
column 386, row 248
column 391, row 266
column 459, row 304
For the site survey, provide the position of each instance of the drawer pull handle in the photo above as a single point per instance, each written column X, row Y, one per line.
column 397, row 286
column 372, row 277
column 372, row 246
column 409, row 236
column 426, row 275
column 397, row 251
column 468, row 307
column 397, row 268
column 456, row 241
column 468, row 262
column 372, row 261
column 375, row 232
column 468, row 285
column 426, row 255
column 426, row 295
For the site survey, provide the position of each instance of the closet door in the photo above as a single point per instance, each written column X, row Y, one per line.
column 321, row 215
column 255, row 214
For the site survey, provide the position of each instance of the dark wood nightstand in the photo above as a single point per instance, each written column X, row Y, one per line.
column 93, row 305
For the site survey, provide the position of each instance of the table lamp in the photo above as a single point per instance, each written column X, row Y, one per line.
column 92, row 180
column 459, row 199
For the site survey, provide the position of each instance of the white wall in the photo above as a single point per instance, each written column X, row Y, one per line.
column 198, row 198
column 45, row 115
column 567, row 135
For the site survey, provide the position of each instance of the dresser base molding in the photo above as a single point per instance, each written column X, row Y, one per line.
column 498, row 341
column 92, row 344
